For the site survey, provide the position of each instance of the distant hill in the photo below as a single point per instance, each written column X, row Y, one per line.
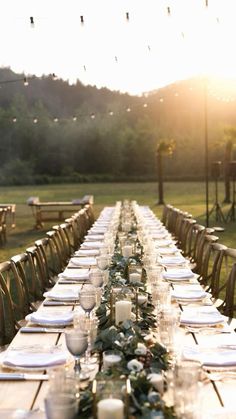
column 120, row 142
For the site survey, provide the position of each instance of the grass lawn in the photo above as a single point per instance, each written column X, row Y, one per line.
column 188, row 196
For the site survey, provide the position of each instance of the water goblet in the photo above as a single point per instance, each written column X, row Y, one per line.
column 96, row 277
column 77, row 343
column 89, row 326
column 87, row 299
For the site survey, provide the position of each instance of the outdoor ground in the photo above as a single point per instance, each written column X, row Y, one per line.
column 188, row 196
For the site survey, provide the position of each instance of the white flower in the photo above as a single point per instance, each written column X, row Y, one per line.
column 135, row 365
column 141, row 349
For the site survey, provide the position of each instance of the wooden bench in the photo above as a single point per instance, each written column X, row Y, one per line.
column 52, row 211
column 11, row 211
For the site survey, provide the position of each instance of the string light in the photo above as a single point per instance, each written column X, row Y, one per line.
column 145, row 105
column 35, row 120
column 55, row 119
column 74, row 118
column 128, row 109
column 92, row 116
column 161, row 99
column 111, row 113
column 14, row 120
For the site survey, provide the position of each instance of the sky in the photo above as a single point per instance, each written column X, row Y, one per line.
column 157, row 43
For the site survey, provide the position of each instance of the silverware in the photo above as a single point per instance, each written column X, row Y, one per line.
column 71, row 281
column 41, row 330
column 209, row 329
column 8, row 376
column 60, row 303
column 221, row 375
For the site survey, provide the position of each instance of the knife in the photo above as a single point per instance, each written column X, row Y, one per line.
column 22, row 377
column 60, row 303
column 71, row 281
column 40, row 330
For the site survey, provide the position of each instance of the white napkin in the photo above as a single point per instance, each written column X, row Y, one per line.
column 92, row 245
column 35, row 357
column 76, row 274
column 98, row 230
column 158, row 236
column 50, row 317
column 87, row 252
column 201, row 316
column 94, row 237
column 172, row 260
column 168, row 250
column 212, row 357
column 64, row 294
column 188, row 294
column 83, row 261
column 163, row 243
column 181, row 274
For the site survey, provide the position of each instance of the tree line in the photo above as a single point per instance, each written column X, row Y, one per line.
column 105, row 135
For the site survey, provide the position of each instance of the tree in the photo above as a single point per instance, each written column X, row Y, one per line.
column 230, row 138
column 164, row 147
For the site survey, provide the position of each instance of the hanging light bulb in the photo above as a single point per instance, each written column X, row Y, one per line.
column 128, row 109
column 92, row 116
column 74, row 118
column 176, row 94
column 14, row 119
column 145, row 105
column 31, row 21
column 127, row 16
column 82, row 20
column 111, row 113
column 161, row 99
column 55, row 119
column 26, row 83
column 168, row 11
column 35, row 120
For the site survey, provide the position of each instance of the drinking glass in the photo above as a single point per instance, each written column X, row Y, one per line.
column 186, row 388
column 77, row 343
column 96, row 277
column 87, row 299
column 60, row 406
column 89, row 326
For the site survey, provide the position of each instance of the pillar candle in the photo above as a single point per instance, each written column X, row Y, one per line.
column 110, row 409
column 127, row 250
column 135, row 277
column 122, row 311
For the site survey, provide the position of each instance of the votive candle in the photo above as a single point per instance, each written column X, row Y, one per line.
column 110, row 409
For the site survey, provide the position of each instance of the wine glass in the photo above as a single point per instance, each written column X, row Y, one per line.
column 77, row 343
column 89, row 326
column 96, row 277
column 87, row 299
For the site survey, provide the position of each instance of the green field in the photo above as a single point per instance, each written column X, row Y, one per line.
column 188, row 196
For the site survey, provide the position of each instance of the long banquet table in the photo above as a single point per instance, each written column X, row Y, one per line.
column 29, row 395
